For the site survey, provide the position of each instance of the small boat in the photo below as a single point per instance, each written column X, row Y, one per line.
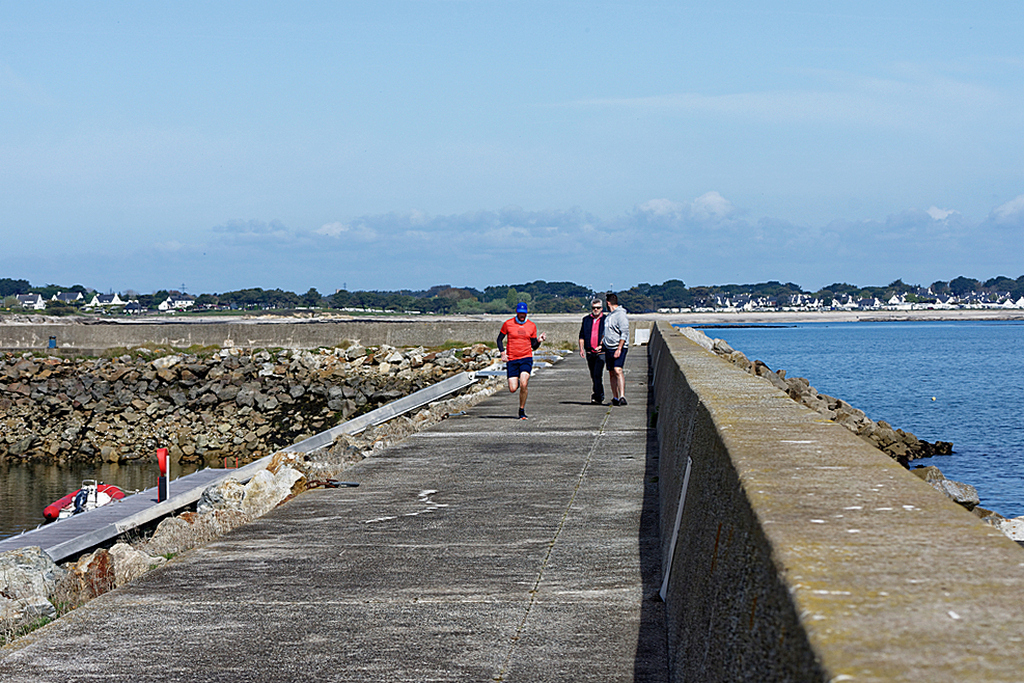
column 89, row 497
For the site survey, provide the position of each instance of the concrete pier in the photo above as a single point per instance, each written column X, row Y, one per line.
column 485, row 549
column 493, row 549
column 795, row 551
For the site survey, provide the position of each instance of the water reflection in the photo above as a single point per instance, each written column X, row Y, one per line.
column 27, row 488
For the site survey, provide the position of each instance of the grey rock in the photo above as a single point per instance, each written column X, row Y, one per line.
column 697, row 337
column 721, row 347
column 245, row 396
column 225, row 496
column 28, row 574
column 226, row 393
column 130, row 564
column 166, row 362
column 958, row 492
column 23, row 446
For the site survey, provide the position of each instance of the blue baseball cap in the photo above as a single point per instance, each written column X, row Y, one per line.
column 521, row 307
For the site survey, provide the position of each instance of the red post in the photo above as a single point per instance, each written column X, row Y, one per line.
column 162, row 461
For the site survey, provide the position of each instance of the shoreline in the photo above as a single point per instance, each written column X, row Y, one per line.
column 687, row 319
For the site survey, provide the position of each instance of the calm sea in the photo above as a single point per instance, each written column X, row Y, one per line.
column 892, row 371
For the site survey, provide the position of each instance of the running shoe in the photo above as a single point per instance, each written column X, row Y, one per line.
column 622, row 401
column 522, row 414
column 615, row 401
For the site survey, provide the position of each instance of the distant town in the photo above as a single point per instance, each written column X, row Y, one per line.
column 672, row 296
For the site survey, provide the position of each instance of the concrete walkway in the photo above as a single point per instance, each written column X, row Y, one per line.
column 484, row 549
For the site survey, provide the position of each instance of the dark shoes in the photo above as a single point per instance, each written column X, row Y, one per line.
column 522, row 414
column 619, row 401
column 597, row 400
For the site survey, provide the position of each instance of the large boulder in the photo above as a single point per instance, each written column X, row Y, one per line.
column 226, row 495
column 28, row 572
column 172, row 536
column 130, row 564
column 958, row 492
column 1013, row 528
column 175, row 535
column 28, row 578
column 265, row 490
column 697, row 337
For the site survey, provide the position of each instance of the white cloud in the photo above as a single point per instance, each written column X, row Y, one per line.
column 940, row 214
column 338, row 229
column 1010, row 212
column 662, row 207
column 712, row 205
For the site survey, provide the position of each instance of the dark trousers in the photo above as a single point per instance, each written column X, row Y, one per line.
column 595, row 361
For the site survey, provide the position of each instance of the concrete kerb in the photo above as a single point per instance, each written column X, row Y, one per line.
column 805, row 554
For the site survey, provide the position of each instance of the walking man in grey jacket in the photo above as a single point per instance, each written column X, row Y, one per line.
column 616, row 344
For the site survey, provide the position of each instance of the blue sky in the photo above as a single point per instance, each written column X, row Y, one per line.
column 393, row 145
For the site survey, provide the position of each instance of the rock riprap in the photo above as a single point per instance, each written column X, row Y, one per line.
column 231, row 402
column 900, row 445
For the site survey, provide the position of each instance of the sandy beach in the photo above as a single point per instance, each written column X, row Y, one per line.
column 770, row 317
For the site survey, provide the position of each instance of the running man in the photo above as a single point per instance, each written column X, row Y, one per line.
column 518, row 357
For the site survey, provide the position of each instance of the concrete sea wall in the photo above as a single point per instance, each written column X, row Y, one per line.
column 263, row 335
column 794, row 551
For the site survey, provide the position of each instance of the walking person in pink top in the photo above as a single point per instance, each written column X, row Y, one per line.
column 591, row 334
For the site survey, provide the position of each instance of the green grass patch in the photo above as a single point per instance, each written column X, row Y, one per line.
column 454, row 344
column 9, row 635
column 152, row 350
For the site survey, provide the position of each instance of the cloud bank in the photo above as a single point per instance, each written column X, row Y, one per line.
column 704, row 240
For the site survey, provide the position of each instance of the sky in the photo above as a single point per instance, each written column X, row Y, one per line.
column 393, row 145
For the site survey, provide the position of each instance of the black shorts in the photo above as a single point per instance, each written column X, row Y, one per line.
column 611, row 361
column 514, row 368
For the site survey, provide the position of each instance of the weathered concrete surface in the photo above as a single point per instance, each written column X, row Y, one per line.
column 484, row 549
column 803, row 554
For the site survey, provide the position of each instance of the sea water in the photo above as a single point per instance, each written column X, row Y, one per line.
column 943, row 381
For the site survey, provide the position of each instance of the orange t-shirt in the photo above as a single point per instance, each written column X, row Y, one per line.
column 518, row 338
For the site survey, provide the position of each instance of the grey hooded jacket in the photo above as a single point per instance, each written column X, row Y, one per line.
column 616, row 327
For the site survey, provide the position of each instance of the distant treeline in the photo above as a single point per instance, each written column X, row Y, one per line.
column 543, row 297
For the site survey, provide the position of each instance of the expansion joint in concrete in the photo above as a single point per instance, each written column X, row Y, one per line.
column 551, row 546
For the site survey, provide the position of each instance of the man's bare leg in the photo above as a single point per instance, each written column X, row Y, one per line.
column 617, row 379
